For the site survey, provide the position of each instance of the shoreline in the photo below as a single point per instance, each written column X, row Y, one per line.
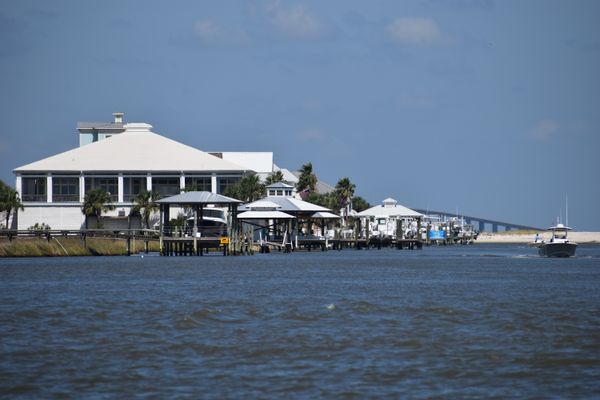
column 528, row 237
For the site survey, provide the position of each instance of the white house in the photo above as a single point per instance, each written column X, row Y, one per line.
column 124, row 160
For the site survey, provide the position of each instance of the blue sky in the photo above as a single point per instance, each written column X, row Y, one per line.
column 488, row 108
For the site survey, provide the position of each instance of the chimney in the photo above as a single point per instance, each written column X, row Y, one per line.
column 118, row 117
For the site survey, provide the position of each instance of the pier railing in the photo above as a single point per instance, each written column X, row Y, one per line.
column 142, row 234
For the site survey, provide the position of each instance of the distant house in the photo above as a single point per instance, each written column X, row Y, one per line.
column 124, row 160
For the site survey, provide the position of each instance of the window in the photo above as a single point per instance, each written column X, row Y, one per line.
column 65, row 189
column 33, row 189
column 271, row 192
column 200, row 184
column 132, row 186
column 110, row 185
column 166, row 187
column 226, row 183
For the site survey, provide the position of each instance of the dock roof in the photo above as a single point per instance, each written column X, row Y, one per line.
column 191, row 198
column 290, row 205
column 264, row 215
column 137, row 149
column 389, row 208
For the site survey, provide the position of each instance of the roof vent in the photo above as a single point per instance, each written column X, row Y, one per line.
column 137, row 127
column 389, row 202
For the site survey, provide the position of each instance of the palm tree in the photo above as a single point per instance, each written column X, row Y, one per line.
column 144, row 205
column 275, row 177
column 307, row 179
column 344, row 190
column 248, row 189
column 9, row 200
column 95, row 202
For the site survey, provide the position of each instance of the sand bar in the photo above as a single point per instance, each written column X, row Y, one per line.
column 527, row 237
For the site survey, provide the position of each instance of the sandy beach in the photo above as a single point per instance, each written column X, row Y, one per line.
column 527, row 237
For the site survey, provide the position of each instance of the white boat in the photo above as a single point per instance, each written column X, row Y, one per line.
column 559, row 244
column 212, row 223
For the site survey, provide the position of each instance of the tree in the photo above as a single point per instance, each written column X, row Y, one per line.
column 359, row 204
column 9, row 200
column 324, row 200
column 344, row 191
column 95, row 202
column 144, row 205
column 307, row 179
column 247, row 189
column 275, row 177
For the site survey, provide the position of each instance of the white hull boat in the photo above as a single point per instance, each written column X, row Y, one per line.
column 559, row 244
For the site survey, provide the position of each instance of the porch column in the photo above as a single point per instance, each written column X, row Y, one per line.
column 182, row 183
column 149, row 182
column 213, row 183
column 49, row 188
column 19, row 185
column 120, row 186
column 81, row 187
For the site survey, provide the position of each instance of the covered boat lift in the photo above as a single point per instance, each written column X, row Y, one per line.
column 183, row 243
column 390, row 216
column 290, row 209
column 265, row 216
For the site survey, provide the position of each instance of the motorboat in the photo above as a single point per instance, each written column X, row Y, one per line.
column 559, row 244
column 213, row 222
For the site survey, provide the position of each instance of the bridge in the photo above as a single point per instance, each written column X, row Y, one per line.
column 482, row 222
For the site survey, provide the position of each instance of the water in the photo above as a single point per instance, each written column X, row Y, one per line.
column 492, row 321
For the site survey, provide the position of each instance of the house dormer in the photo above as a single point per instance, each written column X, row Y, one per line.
column 281, row 189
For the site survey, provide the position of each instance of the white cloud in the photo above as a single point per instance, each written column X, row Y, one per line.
column 210, row 33
column 296, row 21
column 544, row 129
column 415, row 31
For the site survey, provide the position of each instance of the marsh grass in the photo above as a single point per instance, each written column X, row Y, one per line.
column 61, row 246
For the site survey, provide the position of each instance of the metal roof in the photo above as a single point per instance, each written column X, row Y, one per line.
column 290, row 205
column 137, row 149
column 390, row 208
column 263, row 205
column 198, row 198
column 325, row 215
column 264, row 215
column 280, row 185
column 103, row 126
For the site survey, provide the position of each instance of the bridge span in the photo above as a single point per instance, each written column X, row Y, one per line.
column 481, row 222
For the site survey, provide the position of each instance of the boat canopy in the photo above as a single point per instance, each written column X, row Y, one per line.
column 560, row 227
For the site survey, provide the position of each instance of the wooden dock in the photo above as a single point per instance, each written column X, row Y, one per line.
column 314, row 243
column 188, row 246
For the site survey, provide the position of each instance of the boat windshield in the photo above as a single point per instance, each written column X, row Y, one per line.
column 560, row 234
